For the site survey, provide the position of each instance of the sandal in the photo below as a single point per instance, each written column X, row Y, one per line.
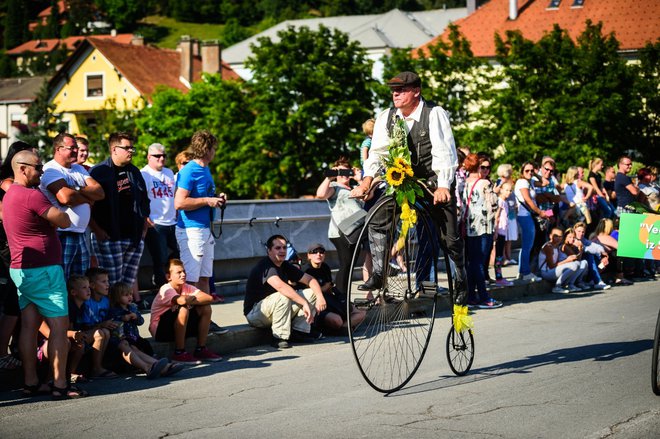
column 79, row 378
column 157, row 368
column 68, row 392
column 171, row 369
column 9, row 362
column 35, row 390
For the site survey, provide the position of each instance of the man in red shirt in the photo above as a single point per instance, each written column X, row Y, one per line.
column 30, row 221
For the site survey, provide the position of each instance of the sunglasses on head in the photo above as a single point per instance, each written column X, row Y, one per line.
column 320, row 251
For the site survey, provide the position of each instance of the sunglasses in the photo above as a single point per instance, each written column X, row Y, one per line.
column 158, row 156
column 525, row 171
column 484, row 167
column 548, row 169
column 317, row 250
column 37, row 168
column 126, row 148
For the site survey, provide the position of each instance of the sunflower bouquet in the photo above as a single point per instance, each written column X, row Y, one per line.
column 400, row 178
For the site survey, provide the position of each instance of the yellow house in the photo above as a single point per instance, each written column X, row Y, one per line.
column 103, row 74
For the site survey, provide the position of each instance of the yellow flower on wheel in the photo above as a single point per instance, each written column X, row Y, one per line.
column 395, row 176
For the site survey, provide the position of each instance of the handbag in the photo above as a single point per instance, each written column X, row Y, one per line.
column 541, row 223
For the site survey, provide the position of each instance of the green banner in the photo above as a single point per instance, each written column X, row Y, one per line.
column 639, row 236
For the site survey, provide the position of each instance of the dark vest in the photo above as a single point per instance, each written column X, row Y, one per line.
column 419, row 142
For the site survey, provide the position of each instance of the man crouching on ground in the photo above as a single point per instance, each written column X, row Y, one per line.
column 270, row 301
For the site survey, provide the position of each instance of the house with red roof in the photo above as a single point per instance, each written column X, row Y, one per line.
column 42, row 18
column 101, row 71
column 634, row 23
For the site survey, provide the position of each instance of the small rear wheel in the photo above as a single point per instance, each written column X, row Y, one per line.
column 460, row 350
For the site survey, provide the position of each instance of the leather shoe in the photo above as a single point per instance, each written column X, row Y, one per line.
column 373, row 283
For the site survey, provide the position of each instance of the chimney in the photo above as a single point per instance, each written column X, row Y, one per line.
column 196, row 51
column 513, row 9
column 113, row 33
column 211, row 57
column 471, row 6
column 137, row 40
column 186, row 48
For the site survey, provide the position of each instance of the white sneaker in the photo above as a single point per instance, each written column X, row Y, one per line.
column 602, row 286
column 531, row 277
column 559, row 290
column 573, row 289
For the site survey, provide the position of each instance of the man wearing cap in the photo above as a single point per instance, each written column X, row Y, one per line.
column 69, row 187
column 433, row 158
column 161, row 238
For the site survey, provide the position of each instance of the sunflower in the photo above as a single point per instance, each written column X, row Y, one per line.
column 403, row 164
column 395, row 176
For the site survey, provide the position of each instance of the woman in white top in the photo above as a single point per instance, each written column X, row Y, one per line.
column 337, row 191
column 525, row 195
column 564, row 273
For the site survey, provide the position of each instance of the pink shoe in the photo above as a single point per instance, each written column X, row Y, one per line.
column 206, row 355
column 185, row 357
column 503, row 283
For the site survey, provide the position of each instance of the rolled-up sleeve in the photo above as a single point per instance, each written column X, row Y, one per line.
column 445, row 159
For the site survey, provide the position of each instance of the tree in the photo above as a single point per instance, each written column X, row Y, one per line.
column 102, row 123
column 647, row 112
column 42, row 121
column 16, row 24
column 124, row 13
column 556, row 97
column 452, row 78
column 219, row 106
column 52, row 29
column 311, row 93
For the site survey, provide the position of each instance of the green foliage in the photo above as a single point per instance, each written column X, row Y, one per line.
column 15, row 24
column 646, row 130
column 124, row 14
column 7, row 66
column 42, row 121
column 101, row 123
column 52, row 29
column 451, row 77
column 312, row 91
column 570, row 100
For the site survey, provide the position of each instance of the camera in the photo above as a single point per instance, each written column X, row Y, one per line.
column 339, row 172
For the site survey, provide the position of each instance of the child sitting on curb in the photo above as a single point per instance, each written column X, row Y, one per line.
column 84, row 341
column 126, row 335
column 180, row 310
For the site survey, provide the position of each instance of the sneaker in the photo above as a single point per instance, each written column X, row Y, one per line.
column 583, row 286
column 214, row 328
column 503, row 283
column 531, row 277
column 573, row 289
column 602, row 286
column 511, row 262
column 490, row 281
column 205, row 355
column 185, row 357
column 490, row 304
column 559, row 290
column 279, row 343
column 305, row 337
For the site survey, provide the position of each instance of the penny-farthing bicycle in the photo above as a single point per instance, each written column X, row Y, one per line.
column 655, row 358
column 390, row 343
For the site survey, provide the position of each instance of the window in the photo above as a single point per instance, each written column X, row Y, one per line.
column 554, row 4
column 94, row 86
column 577, row 3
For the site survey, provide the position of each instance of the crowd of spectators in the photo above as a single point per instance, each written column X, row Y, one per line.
column 73, row 236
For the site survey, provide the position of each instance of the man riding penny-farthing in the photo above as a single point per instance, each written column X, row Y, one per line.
column 413, row 145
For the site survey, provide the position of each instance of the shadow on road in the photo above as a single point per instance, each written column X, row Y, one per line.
column 595, row 352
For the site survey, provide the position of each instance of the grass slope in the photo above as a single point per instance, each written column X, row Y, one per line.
column 166, row 32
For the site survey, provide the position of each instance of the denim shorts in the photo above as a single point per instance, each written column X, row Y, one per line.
column 196, row 246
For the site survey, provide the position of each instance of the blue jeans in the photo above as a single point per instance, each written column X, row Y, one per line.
column 605, row 207
column 592, row 264
column 528, row 233
column 477, row 249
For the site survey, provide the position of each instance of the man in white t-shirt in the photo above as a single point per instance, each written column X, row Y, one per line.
column 70, row 188
column 161, row 238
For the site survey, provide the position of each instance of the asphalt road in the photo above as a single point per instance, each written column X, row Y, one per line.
column 548, row 366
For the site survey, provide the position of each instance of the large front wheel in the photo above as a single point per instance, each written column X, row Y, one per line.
column 390, row 336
